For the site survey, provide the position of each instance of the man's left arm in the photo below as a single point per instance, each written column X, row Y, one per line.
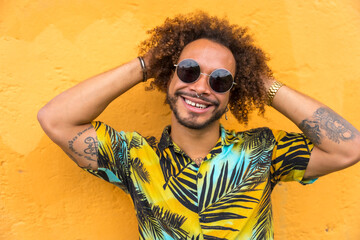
column 337, row 142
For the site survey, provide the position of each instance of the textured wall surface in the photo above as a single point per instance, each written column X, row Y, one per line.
column 48, row 46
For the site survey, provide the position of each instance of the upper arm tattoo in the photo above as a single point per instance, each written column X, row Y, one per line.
column 325, row 121
column 90, row 146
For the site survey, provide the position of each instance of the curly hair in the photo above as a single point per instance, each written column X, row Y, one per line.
column 167, row 41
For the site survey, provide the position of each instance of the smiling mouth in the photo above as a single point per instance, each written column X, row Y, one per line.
column 197, row 105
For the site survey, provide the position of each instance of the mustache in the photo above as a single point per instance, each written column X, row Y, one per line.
column 193, row 95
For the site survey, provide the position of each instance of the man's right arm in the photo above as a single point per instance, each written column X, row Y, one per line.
column 67, row 118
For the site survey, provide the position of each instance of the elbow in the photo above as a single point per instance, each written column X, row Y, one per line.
column 356, row 157
column 352, row 155
column 46, row 121
column 43, row 118
column 350, row 161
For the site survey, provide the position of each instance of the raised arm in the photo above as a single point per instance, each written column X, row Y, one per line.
column 66, row 119
column 337, row 142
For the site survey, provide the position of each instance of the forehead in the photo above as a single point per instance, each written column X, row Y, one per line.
column 209, row 54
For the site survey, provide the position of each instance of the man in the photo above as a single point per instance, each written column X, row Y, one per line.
column 200, row 181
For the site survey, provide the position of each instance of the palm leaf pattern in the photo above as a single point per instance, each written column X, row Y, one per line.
column 154, row 221
column 184, row 188
column 148, row 225
column 234, row 190
column 136, row 142
column 170, row 222
column 195, row 237
column 112, row 158
column 220, row 201
column 140, row 170
column 215, row 199
column 292, row 158
column 262, row 228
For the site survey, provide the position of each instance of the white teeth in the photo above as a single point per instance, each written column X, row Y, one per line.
column 202, row 106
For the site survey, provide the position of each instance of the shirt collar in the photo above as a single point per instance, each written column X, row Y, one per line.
column 226, row 138
column 165, row 140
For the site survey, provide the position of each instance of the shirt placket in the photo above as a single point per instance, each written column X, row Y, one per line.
column 199, row 185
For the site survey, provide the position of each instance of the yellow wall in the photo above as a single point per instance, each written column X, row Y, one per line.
column 48, row 46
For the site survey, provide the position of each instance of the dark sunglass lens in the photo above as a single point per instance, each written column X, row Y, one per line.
column 221, row 80
column 188, row 71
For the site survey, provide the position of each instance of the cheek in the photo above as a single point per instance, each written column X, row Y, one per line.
column 171, row 79
column 175, row 83
column 170, row 83
column 225, row 99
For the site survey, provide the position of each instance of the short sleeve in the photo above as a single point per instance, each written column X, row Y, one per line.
column 290, row 157
column 113, row 164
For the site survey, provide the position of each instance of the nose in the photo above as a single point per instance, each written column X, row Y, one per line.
column 201, row 86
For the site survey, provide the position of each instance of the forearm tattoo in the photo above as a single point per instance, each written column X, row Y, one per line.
column 325, row 121
column 90, row 146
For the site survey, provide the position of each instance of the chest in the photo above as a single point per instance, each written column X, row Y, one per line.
column 176, row 179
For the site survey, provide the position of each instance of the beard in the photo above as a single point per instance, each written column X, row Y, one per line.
column 191, row 121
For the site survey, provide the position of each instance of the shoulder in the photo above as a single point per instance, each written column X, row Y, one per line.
column 260, row 133
column 254, row 138
column 133, row 138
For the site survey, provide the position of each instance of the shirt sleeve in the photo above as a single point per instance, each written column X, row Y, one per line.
column 113, row 160
column 290, row 157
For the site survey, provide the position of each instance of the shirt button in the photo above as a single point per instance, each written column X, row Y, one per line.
column 202, row 218
column 199, row 175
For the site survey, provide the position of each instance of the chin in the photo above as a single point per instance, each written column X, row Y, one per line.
column 192, row 120
column 194, row 124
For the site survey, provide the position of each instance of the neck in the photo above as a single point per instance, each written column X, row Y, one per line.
column 196, row 143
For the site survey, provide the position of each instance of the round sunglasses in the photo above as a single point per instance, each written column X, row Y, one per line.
column 220, row 80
